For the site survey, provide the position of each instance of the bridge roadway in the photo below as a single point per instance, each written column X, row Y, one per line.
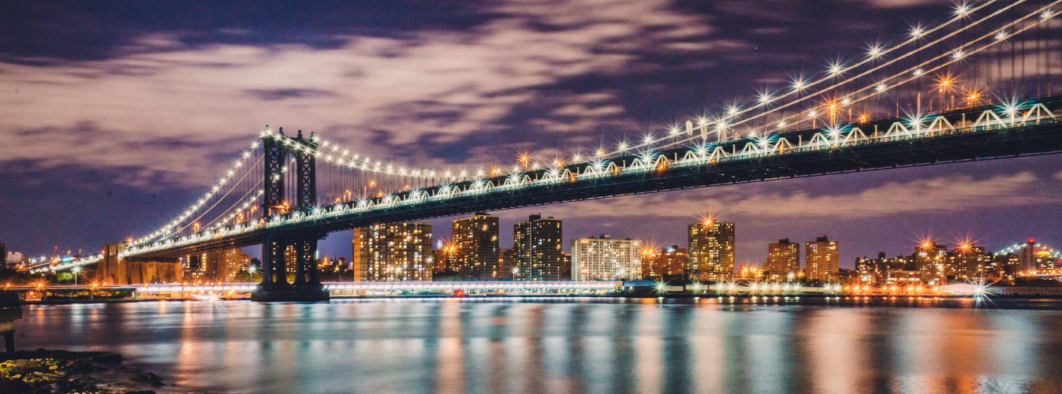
column 880, row 145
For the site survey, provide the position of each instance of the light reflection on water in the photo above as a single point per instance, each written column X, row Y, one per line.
column 411, row 346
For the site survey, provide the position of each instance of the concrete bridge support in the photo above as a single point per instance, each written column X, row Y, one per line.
column 297, row 252
column 114, row 270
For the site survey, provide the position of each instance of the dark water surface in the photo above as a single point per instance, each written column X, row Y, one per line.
column 572, row 346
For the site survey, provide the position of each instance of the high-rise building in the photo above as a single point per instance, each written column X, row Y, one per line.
column 930, row 259
column 821, row 257
column 711, row 251
column 1003, row 267
column 1034, row 258
column 567, row 266
column 393, row 252
column 537, row 252
column 666, row 263
column 750, row 272
column 967, row 262
column 223, row 264
column 783, row 259
column 13, row 259
column 869, row 270
column 475, row 241
column 441, row 257
column 1027, row 256
column 506, row 264
column 605, row 258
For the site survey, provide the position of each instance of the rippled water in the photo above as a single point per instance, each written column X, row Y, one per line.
column 573, row 346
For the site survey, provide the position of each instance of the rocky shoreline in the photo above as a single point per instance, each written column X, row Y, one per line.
column 58, row 371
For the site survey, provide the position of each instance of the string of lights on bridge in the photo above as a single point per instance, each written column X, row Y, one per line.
column 701, row 152
column 699, row 156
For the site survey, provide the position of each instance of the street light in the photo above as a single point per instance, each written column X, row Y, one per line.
column 75, row 270
column 516, row 270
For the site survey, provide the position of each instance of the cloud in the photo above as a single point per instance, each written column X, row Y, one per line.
column 290, row 93
column 901, row 3
column 378, row 93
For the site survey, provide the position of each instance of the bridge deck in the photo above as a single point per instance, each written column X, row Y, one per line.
column 952, row 136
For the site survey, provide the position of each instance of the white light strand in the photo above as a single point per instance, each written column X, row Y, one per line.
column 333, row 154
column 176, row 222
column 867, row 72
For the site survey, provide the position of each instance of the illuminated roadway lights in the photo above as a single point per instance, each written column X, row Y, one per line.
column 881, row 87
column 799, row 84
column 660, row 287
column 763, row 142
column 364, row 206
column 958, row 54
column 834, row 132
column 918, row 72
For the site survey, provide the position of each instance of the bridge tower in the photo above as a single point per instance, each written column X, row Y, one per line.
column 279, row 247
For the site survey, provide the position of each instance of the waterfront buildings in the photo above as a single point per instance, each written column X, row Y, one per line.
column 666, row 263
column 605, row 258
column 821, row 257
column 783, row 261
column 1033, row 258
column 711, row 251
column 13, row 259
column 506, row 265
column 966, row 262
column 749, row 272
column 930, row 258
column 537, row 253
column 476, row 251
column 223, row 264
column 393, row 252
column 442, row 256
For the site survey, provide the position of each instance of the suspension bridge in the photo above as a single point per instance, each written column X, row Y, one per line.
column 960, row 90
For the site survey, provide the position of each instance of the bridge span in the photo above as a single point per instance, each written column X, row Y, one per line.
column 978, row 133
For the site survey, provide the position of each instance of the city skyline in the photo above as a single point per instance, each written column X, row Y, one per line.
column 90, row 194
column 509, row 196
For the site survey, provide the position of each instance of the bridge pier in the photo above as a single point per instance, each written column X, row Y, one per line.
column 274, row 285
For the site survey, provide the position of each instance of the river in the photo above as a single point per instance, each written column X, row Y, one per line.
column 564, row 346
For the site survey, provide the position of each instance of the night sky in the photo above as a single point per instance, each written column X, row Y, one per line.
column 114, row 116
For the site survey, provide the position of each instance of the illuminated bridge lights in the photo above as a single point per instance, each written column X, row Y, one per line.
column 534, row 181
